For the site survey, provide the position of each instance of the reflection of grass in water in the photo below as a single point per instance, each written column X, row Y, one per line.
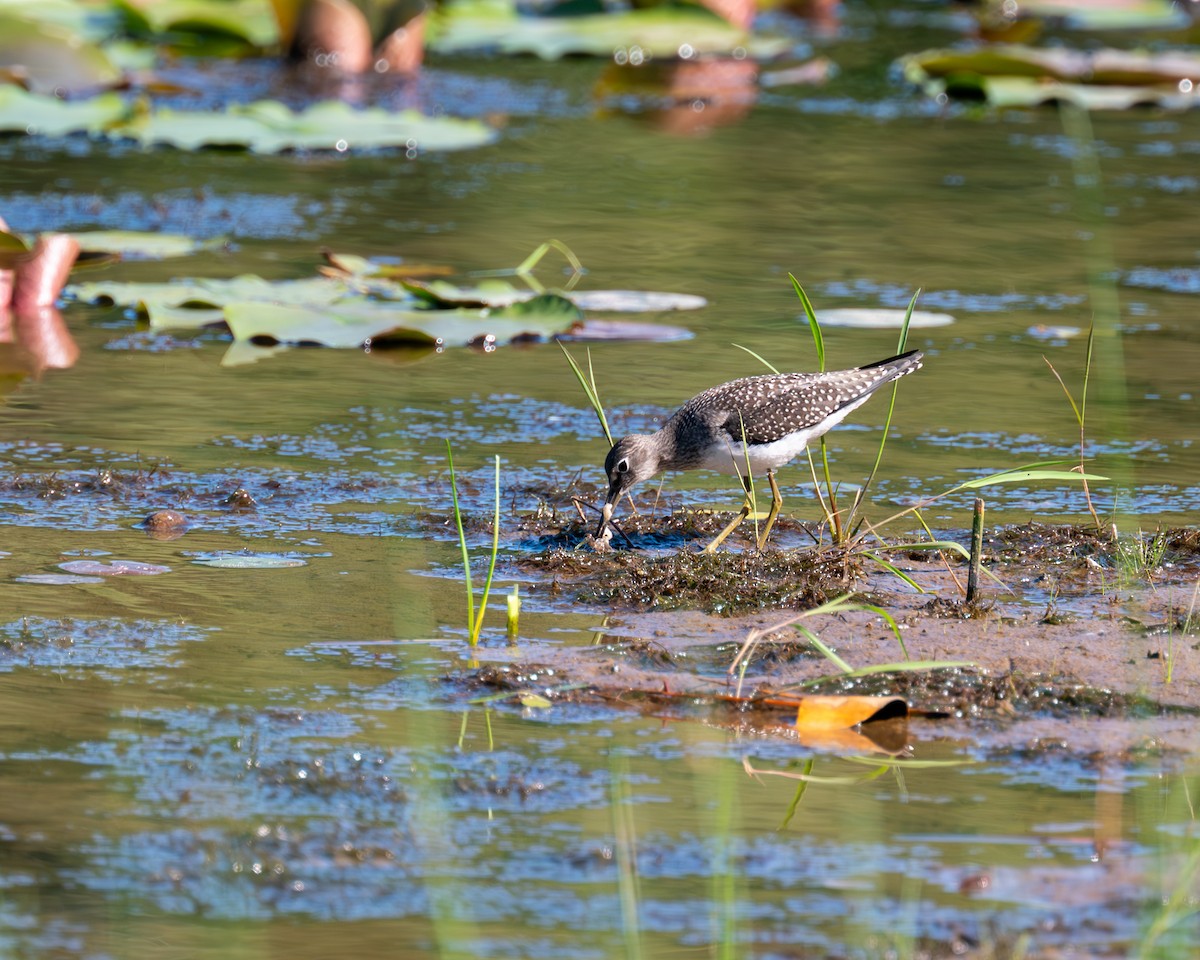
column 1105, row 347
column 1168, row 934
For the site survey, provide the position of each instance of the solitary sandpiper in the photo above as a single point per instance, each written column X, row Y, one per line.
column 747, row 427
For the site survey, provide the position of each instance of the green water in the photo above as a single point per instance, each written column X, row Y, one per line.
column 229, row 763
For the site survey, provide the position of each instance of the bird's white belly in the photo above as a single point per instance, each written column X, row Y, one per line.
column 731, row 457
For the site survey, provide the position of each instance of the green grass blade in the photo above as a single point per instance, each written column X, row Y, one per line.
column 462, row 542
column 894, row 571
column 766, row 363
column 825, row 650
column 887, row 423
column 929, row 545
column 1019, row 476
column 589, row 388
column 477, row 627
column 818, row 339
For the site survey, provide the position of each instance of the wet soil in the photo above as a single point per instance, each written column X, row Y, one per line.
column 1079, row 642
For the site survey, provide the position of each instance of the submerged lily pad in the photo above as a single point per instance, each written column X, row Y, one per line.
column 56, row 579
column 115, row 568
column 250, row 561
column 655, row 32
column 635, row 301
column 880, row 318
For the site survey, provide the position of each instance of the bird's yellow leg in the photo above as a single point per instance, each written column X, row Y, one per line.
column 776, row 503
column 733, row 525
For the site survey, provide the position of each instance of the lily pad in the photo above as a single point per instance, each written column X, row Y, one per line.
column 49, row 57
column 635, row 301
column 268, row 126
column 1012, row 75
column 656, row 32
column 1122, row 15
column 250, row 561
column 35, row 114
column 56, row 579
column 252, row 21
column 139, row 245
column 880, row 318
column 265, row 126
column 495, row 293
column 355, row 322
column 115, row 568
column 198, row 303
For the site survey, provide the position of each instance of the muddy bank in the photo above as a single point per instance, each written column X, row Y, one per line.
column 1079, row 643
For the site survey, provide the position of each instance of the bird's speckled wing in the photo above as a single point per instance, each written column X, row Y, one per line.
column 772, row 406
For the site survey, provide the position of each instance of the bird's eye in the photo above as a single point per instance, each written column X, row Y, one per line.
column 623, row 466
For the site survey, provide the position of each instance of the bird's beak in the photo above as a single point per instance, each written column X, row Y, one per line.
column 606, row 513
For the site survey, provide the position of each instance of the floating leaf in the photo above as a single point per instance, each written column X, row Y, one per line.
column 535, row 701
column 56, row 579
column 881, row 319
column 1013, row 75
column 250, row 20
column 1121, row 15
column 352, row 323
column 635, row 301
column 135, row 244
column 50, row 57
column 593, row 329
column 265, row 126
column 655, row 32
column 268, row 126
column 34, row 114
column 114, row 568
column 251, row 561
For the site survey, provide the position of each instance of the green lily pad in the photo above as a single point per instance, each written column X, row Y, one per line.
column 138, row 245
column 498, row 293
column 355, row 322
column 1126, row 15
column 84, row 20
column 252, row 21
column 265, row 126
column 1013, row 75
column 198, row 296
column 656, row 32
column 268, row 126
column 50, row 57
column 34, row 114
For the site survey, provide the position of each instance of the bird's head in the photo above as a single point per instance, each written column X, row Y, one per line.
column 631, row 460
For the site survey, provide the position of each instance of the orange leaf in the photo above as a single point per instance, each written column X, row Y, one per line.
column 841, row 713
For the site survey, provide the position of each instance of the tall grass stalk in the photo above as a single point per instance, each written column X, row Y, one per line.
column 474, row 615
column 1080, row 411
